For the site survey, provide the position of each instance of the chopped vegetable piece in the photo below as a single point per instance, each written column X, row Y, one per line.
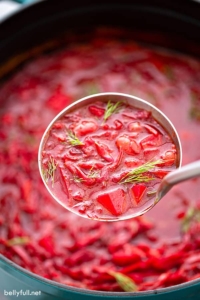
column 138, row 191
column 134, row 126
column 130, row 146
column 96, row 111
column 104, row 151
column 150, row 129
column 85, row 127
column 159, row 173
column 113, row 201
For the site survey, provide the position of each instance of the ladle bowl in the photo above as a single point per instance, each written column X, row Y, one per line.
column 133, row 101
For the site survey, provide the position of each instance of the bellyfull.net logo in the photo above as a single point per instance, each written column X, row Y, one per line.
column 21, row 293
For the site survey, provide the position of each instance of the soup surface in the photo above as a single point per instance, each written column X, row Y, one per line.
column 105, row 160
column 159, row 249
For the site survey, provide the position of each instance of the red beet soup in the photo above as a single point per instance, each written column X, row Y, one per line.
column 159, row 249
column 105, row 160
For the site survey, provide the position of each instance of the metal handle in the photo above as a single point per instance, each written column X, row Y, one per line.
column 186, row 172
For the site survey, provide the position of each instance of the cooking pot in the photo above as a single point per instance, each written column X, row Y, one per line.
column 44, row 20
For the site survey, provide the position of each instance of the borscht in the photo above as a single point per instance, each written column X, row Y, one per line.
column 157, row 250
column 105, row 160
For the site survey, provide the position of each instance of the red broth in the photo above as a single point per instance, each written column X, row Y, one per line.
column 157, row 250
column 106, row 160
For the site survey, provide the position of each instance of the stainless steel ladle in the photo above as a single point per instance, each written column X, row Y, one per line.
column 180, row 174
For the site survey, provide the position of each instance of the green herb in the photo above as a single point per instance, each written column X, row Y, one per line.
column 192, row 215
column 45, row 175
column 195, row 113
column 125, row 282
column 92, row 89
column 195, row 106
column 50, row 172
column 135, row 178
column 30, row 140
column 73, row 140
column 77, row 179
column 93, row 173
column 169, row 72
column 194, row 96
column 137, row 174
column 111, row 108
column 19, row 240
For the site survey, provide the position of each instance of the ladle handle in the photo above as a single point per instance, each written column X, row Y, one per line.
column 184, row 173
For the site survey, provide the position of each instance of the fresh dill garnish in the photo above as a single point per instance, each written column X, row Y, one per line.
column 195, row 106
column 195, row 113
column 135, row 178
column 49, row 173
column 92, row 89
column 125, row 282
column 73, row 139
column 77, row 179
column 93, row 173
column 19, row 240
column 137, row 174
column 192, row 216
column 169, row 72
column 45, row 175
column 111, row 108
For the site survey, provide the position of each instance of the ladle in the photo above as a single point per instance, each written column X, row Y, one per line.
column 174, row 177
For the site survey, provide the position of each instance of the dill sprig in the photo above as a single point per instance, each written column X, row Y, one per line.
column 192, row 216
column 19, row 240
column 93, row 173
column 111, row 108
column 137, row 174
column 77, row 179
column 50, row 172
column 73, row 139
column 125, row 282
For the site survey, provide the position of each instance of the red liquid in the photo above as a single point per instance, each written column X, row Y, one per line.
column 104, row 166
column 152, row 250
